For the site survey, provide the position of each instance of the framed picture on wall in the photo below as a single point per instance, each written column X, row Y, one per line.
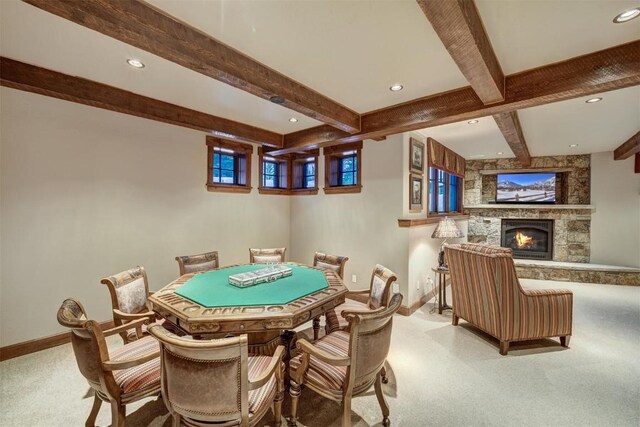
column 415, row 192
column 416, row 156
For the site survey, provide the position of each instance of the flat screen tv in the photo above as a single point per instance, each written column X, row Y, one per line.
column 526, row 188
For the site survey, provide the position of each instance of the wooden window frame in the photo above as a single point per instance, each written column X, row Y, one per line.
column 239, row 151
column 302, row 159
column 283, row 162
column 447, row 200
column 332, row 157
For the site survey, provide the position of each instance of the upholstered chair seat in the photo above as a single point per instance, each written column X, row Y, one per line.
column 120, row 376
column 197, row 263
column 486, row 293
column 216, row 382
column 266, row 256
column 327, row 262
column 129, row 292
column 344, row 364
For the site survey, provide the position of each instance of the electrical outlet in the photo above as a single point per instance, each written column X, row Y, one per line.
column 354, row 279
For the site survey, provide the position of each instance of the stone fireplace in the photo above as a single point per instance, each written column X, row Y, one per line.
column 529, row 239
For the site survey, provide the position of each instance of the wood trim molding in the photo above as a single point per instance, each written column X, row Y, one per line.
column 572, row 78
column 497, row 171
column 238, row 147
column 336, row 152
column 417, row 222
column 460, row 29
column 141, row 25
column 30, row 78
column 38, row 344
column 509, row 125
column 630, row 147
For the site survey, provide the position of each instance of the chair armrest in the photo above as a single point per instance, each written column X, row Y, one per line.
column 546, row 292
column 116, row 365
column 360, row 295
column 314, row 351
column 126, row 326
column 133, row 316
column 274, row 365
column 345, row 313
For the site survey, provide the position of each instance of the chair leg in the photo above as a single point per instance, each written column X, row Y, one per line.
column 118, row 414
column 176, row 420
column 504, row 347
column 277, row 406
column 294, row 392
column 316, row 328
column 564, row 341
column 91, row 420
column 346, row 411
column 454, row 320
column 383, row 374
column 381, row 400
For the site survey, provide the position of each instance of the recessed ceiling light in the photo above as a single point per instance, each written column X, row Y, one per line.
column 293, row 120
column 135, row 63
column 573, row 145
column 593, row 100
column 396, row 87
column 627, row 15
column 473, row 122
column 500, row 153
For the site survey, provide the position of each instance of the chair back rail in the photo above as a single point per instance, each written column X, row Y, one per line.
column 196, row 263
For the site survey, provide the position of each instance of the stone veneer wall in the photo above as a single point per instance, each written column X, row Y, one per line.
column 572, row 227
column 481, row 189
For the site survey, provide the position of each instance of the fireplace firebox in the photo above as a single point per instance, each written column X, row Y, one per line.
column 529, row 239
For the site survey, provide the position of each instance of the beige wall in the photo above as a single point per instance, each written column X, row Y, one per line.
column 615, row 225
column 86, row 193
column 362, row 226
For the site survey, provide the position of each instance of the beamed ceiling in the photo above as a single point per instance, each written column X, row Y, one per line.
column 522, row 68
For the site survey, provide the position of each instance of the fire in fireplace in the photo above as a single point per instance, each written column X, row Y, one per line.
column 529, row 239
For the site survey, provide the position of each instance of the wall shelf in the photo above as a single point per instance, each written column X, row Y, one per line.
column 540, row 206
column 416, row 222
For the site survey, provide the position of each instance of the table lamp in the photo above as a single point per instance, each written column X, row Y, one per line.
column 446, row 229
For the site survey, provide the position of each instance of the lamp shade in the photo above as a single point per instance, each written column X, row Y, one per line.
column 447, row 229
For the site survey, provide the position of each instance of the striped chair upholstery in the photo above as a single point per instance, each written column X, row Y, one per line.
column 344, row 364
column 216, row 382
column 121, row 376
column 327, row 262
column 262, row 256
column 195, row 263
column 487, row 294
column 376, row 296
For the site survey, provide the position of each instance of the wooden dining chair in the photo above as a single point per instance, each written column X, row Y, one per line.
column 120, row 376
column 195, row 263
column 216, row 382
column 367, row 299
column 259, row 256
column 328, row 262
column 129, row 291
column 344, row 364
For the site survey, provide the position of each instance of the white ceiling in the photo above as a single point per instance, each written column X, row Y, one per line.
column 352, row 51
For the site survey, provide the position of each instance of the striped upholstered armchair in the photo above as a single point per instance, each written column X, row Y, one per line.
column 487, row 294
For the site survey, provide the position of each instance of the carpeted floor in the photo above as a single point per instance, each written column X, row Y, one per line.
column 439, row 375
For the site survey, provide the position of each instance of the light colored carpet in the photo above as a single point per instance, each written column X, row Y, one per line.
column 439, row 375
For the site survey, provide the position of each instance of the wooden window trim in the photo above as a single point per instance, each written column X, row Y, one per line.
column 238, row 148
column 460, row 209
column 300, row 157
column 283, row 161
column 432, row 147
column 335, row 152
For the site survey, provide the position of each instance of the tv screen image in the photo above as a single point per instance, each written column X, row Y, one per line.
column 526, row 188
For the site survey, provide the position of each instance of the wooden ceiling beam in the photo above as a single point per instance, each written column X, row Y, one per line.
column 509, row 125
column 30, row 78
column 141, row 25
column 630, row 147
column 460, row 29
column 606, row 70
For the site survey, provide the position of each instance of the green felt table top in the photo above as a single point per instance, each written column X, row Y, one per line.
column 212, row 289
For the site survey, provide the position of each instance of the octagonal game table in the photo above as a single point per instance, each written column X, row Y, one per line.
column 206, row 305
